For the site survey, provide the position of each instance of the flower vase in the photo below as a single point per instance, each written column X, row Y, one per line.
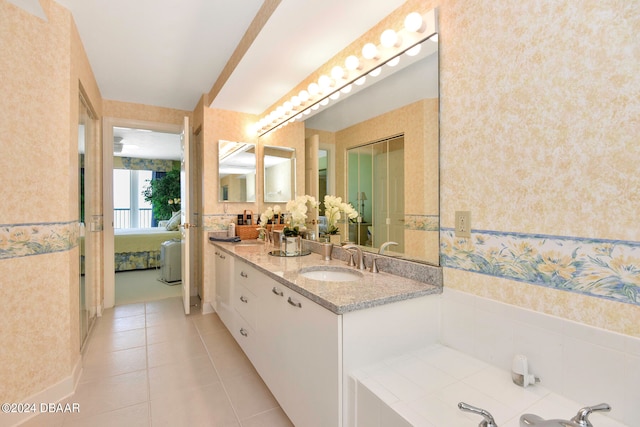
column 292, row 245
column 335, row 239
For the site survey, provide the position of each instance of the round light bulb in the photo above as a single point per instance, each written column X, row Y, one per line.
column 346, row 89
column 314, row 107
column 295, row 101
column 324, row 102
column 414, row 23
column 393, row 62
column 304, row 96
column 337, row 72
column 335, row 95
column 361, row 81
column 375, row 72
column 313, row 89
column 324, row 82
column 414, row 50
column 288, row 106
column 390, row 38
column 352, row 63
column 369, row 51
column 306, row 112
column 280, row 111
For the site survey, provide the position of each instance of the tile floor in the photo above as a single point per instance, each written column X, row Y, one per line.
column 147, row 364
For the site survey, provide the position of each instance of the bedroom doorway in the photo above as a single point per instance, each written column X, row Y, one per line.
column 142, row 150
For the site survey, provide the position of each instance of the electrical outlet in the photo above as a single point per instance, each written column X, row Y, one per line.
column 463, row 224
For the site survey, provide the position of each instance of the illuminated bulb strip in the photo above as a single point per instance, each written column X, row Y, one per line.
column 408, row 40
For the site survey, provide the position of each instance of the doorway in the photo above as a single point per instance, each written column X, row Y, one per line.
column 141, row 135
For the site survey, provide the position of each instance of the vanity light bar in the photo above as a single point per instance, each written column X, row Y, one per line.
column 417, row 28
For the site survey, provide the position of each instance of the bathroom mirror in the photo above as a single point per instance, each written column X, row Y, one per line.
column 279, row 174
column 401, row 102
column 236, row 171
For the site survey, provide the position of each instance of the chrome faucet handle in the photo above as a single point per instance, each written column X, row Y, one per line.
column 374, row 265
column 360, row 265
column 582, row 418
column 488, row 420
column 351, row 263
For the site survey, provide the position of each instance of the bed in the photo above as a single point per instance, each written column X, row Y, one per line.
column 139, row 248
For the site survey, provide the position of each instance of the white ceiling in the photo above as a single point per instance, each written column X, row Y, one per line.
column 169, row 53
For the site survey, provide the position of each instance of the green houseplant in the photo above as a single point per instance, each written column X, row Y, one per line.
column 162, row 194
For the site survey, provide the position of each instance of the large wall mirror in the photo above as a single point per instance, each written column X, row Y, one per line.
column 279, row 174
column 386, row 139
column 236, row 171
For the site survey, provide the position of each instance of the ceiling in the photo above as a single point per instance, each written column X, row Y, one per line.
column 169, row 53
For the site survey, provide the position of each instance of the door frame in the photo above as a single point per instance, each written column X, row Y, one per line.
column 108, row 123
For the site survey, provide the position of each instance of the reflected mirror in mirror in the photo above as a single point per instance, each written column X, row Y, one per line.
column 279, row 174
column 394, row 206
column 236, row 171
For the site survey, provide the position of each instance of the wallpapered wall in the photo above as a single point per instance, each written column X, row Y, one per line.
column 539, row 124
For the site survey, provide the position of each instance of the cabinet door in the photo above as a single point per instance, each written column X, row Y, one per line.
column 223, row 277
column 311, row 360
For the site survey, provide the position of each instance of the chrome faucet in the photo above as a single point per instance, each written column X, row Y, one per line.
column 487, row 421
column 580, row 420
column 360, row 263
column 385, row 245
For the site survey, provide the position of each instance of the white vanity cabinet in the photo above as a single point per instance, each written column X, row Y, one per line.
column 305, row 352
column 293, row 343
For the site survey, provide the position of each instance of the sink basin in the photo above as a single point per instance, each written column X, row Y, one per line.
column 331, row 274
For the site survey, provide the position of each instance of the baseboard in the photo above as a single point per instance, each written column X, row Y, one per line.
column 53, row 394
column 207, row 308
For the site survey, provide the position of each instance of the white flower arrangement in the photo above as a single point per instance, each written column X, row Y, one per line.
column 174, row 203
column 297, row 214
column 333, row 208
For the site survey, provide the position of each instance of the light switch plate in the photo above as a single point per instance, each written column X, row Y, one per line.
column 463, row 224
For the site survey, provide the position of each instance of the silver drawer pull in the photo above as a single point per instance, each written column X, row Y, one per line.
column 243, row 274
column 222, row 256
column 294, row 303
column 244, row 332
column 277, row 291
column 244, row 299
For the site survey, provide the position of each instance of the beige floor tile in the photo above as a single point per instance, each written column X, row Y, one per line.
column 159, row 318
column 109, row 393
column 128, row 310
column 230, row 364
column 184, row 375
column 273, row 418
column 118, row 324
column 208, row 323
column 174, row 351
column 41, row 420
column 167, row 305
column 249, row 395
column 203, row 406
column 170, row 332
column 117, row 341
column 98, row 365
column 131, row 416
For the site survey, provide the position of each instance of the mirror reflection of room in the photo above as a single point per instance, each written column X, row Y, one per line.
column 237, row 171
column 279, row 174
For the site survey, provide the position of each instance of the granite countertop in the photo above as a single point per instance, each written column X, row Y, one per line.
column 373, row 289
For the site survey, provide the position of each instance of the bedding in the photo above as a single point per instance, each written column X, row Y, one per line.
column 139, row 248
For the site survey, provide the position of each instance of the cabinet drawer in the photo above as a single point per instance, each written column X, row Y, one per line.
column 245, row 336
column 245, row 304
column 249, row 277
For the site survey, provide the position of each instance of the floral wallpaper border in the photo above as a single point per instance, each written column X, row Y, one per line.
column 20, row 240
column 422, row 222
column 608, row 269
